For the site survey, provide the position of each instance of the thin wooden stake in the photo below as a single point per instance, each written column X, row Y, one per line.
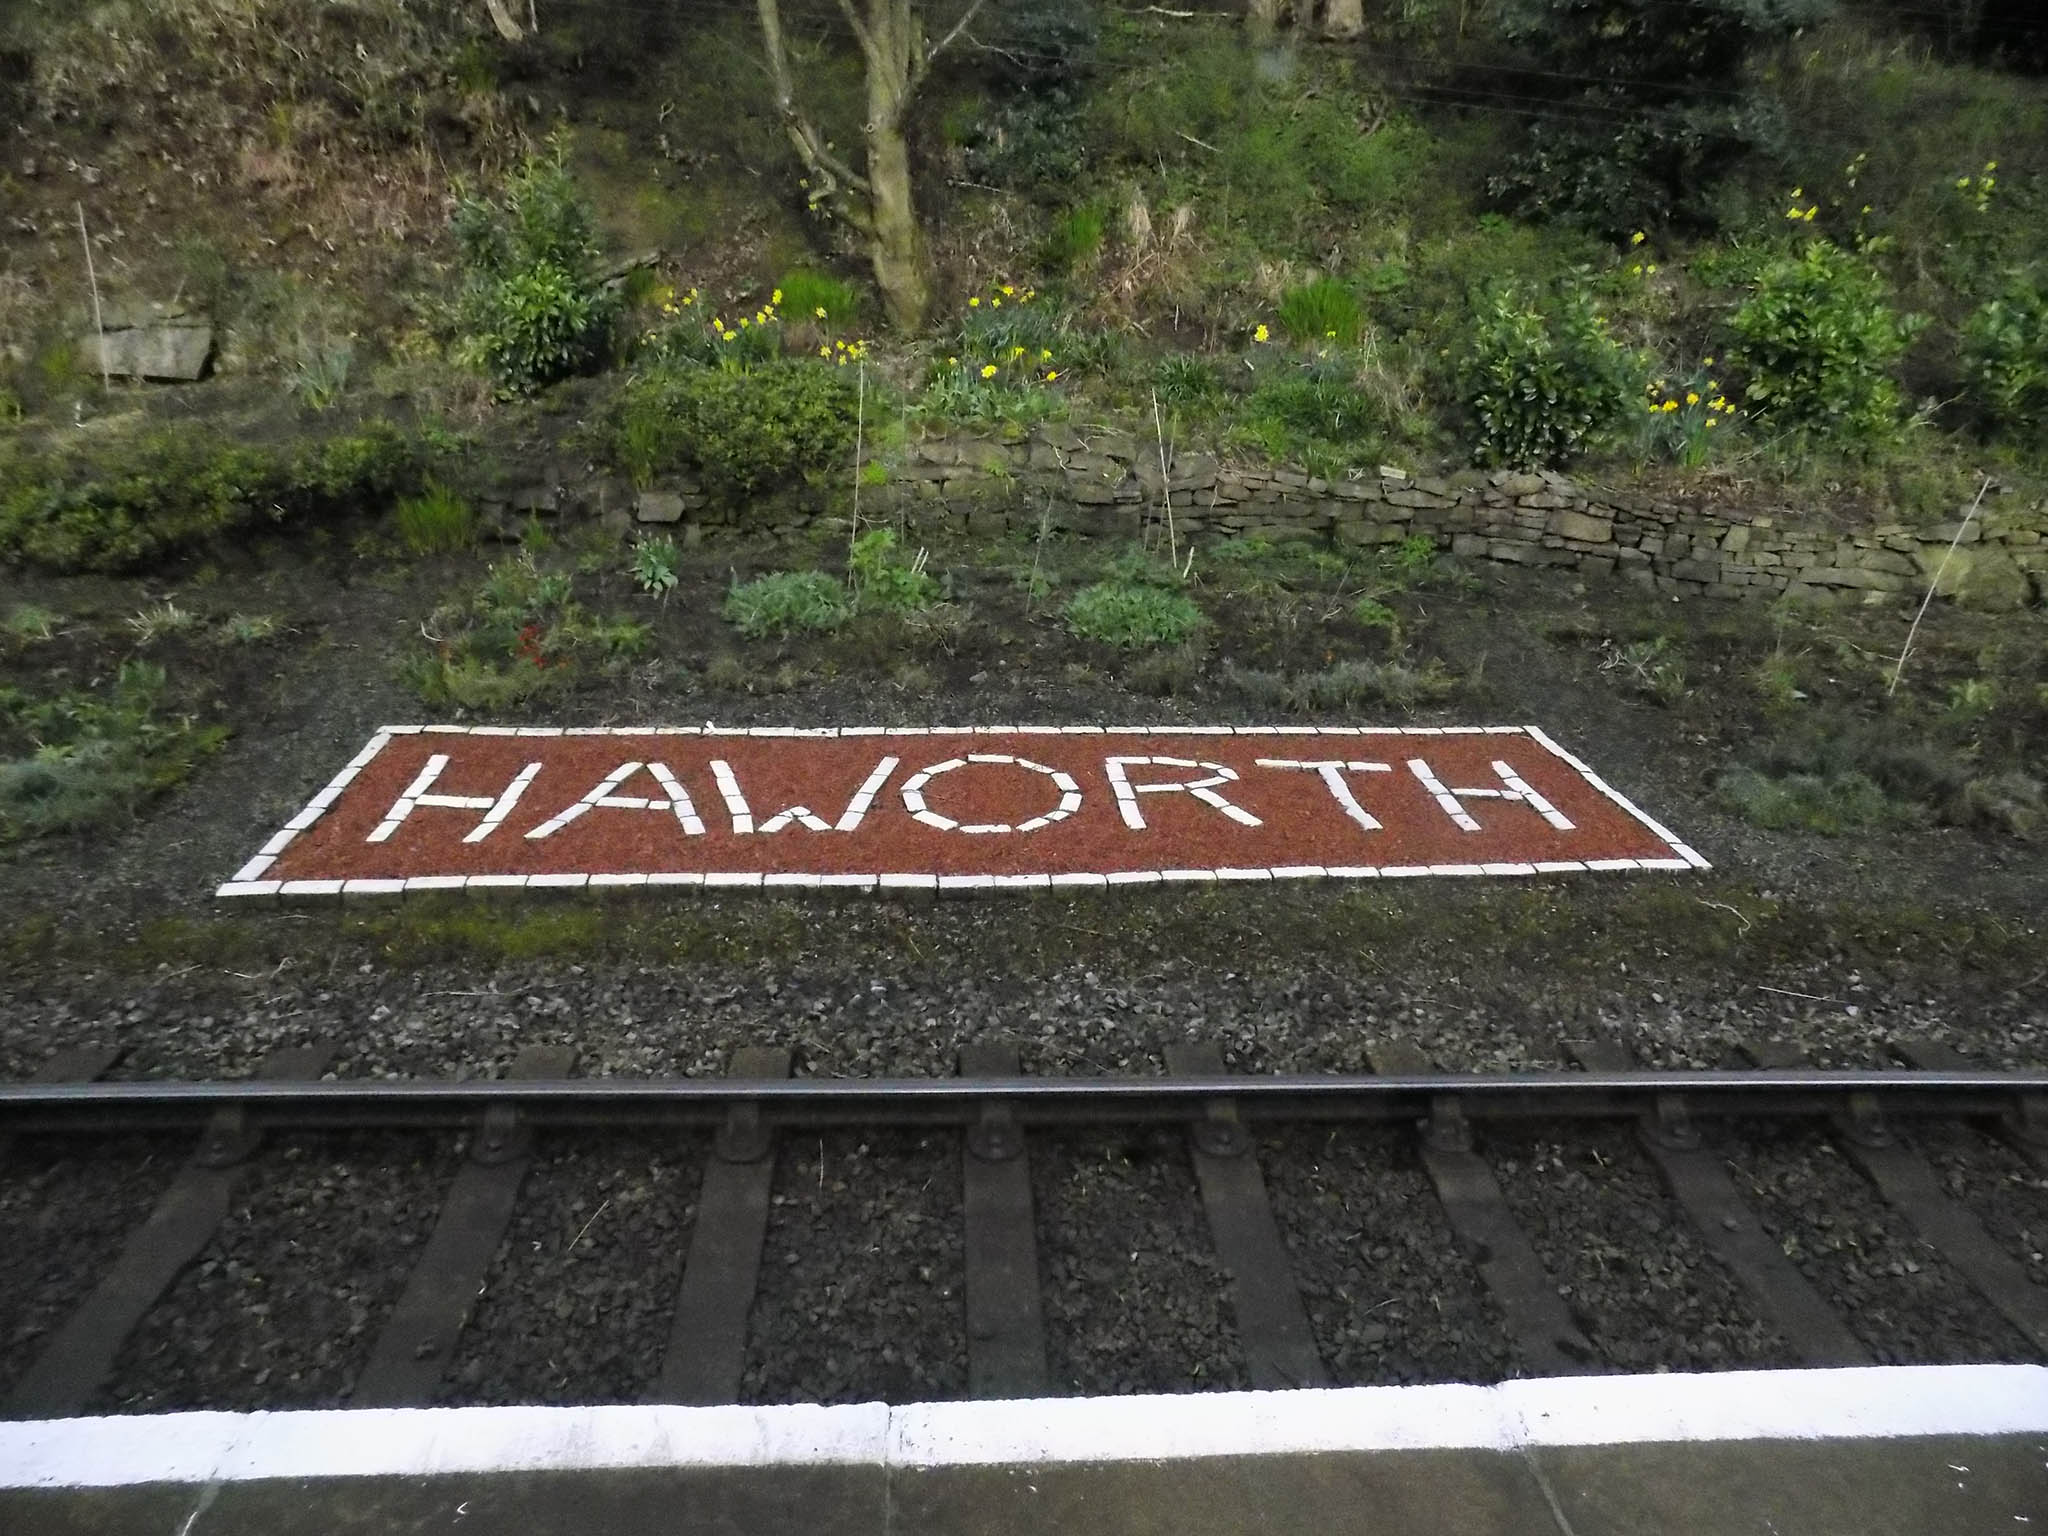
column 1165, row 488
column 99, row 325
column 1939, row 571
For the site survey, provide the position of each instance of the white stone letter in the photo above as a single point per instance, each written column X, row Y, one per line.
column 605, row 798
column 1203, row 790
column 1515, row 789
column 1333, row 772
column 914, row 802
column 495, row 810
column 743, row 814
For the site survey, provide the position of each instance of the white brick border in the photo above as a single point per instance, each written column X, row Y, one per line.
column 249, row 881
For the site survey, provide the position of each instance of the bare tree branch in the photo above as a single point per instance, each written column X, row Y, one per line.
column 502, row 20
column 860, row 29
column 932, row 53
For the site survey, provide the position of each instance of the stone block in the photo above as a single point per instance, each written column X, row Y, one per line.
column 1467, row 546
column 658, row 507
column 1582, row 526
column 160, row 342
column 1888, row 560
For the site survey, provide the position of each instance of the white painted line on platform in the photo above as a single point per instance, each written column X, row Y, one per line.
column 1868, row 1403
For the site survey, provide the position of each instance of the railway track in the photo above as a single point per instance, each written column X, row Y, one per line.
column 989, row 1123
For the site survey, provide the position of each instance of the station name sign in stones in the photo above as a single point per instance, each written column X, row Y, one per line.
column 963, row 808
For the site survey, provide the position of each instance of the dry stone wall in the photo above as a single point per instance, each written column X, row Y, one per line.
column 1106, row 484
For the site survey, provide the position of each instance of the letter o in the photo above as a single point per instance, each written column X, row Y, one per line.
column 914, row 801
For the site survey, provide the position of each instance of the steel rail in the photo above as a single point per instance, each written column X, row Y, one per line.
column 1032, row 1100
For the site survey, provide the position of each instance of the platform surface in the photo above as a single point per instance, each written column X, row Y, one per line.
column 1795, row 1453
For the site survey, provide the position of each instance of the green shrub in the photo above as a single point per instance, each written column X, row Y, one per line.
column 1818, row 340
column 92, row 758
column 1132, row 615
column 534, row 308
column 883, row 580
column 2005, row 359
column 175, row 490
column 1323, row 311
column 436, row 522
column 743, row 432
column 1542, row 381
column 787, row 603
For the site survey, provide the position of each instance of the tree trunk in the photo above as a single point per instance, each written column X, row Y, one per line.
column 895, row 58
column 1343, row 18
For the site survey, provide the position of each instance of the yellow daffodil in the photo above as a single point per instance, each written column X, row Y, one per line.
column 1637, row 238
column 1691, row 398
column 988, row 370
column 974, row 303
column 1711, row 420
column 1045, row 354
column 824, row 351
column 1808, row 215
column 1670, row 405
column 1006, row 290
column 995, row 303
column 818, row 313
column 1261, row 334
column 1016, row 351
column 775, row 297
column 1051, row 375
column 952, row 362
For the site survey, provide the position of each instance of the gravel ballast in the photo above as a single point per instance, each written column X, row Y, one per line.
column 1904, row 1301
column 1134, row 1298
column 281, row 1308
column 862, row 1273
column 1389, row 1294
column 576, row 1308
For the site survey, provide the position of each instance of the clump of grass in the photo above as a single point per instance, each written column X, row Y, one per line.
column 1074, row 240
column 1132, row 615
column 1185, row 382
column 151, row 624
column 32, row 622
column 250, row 628
column 520, row 635
column 1348, row 685
column 436, row 522
column 1648, row 667
column 808, row 295
column 1321, row 313
column 787, row 603
column 1830, row 804
column 94, row 757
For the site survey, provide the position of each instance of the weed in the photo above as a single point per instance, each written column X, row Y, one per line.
column 744, row 432
column 884, row 581
column 787, row 603
column 319, row 373
column 1131, row 615
column 1345, row 686
column 250, row 628
column 1648, row 667
column 32, row 622
column 436, row 522
column 654, row 566
column 159, row 619
column 1972, row 698
column 95, row 757
column 1184, row 382
column 1830, row 804
column 1371, row 613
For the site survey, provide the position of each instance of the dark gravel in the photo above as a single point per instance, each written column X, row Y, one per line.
column 862, row 1290
column 1624, row 1256
column 1900, row 1296
column 1134, row 1298
column 1389, row 1294
column 283, row 1305
column 576, row 1309
column 66, row 1210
